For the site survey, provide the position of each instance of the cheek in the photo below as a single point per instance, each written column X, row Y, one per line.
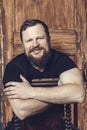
column 26, row 48
column 46, row 46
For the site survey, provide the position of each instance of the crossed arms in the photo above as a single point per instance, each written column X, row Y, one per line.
column 26, row 100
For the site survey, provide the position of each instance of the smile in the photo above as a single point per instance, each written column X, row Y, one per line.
column 36, row 51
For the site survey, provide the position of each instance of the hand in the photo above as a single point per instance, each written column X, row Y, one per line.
column 21, row 90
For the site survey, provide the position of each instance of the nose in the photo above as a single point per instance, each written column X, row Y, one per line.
column 35, row 43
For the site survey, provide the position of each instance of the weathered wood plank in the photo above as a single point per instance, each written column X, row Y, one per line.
column 47, row 11
column 9, row 21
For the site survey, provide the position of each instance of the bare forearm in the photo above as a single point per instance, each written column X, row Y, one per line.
column 63, row 94
column 25, row 108
column 33, row 107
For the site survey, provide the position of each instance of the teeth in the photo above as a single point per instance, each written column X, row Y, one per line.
column 36, row 51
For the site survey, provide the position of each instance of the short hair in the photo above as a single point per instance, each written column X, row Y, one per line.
column 33, row 22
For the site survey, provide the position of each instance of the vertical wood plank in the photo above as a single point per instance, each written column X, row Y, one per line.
column 8, row 53
column 9, row 21
column 81, row 28
column 19, row 14
column 64, row 11
column 58, row 15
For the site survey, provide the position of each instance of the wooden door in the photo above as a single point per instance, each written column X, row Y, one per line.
column 66, row 20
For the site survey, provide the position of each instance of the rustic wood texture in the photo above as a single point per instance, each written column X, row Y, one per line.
column 48, row 10
column 9, row 20
column 2, row 58
column 0, row 63
column 67, row 21
column 81, row 28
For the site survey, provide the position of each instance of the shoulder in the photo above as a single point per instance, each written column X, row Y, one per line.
column 14, row 68
column 60, row 56
column 17, row 64
column 18, row 60
column 56, row 53
column 60, row 62
column 63, row 60
column 71, row 76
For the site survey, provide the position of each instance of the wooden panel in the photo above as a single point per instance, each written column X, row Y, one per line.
column 62, row 12
column 19, row 14
column 9, row 22
column 81, row 27
column 1, row 36
column 64, row 40
column 82, row 114
column 2, row 51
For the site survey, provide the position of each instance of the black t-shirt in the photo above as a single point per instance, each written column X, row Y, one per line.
column 57, row 64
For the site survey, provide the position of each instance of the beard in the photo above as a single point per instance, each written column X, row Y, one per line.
column 42, row 61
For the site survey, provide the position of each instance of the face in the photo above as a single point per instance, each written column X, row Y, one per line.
column 35, row 42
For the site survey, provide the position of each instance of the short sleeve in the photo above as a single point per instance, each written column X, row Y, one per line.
column 12, row 73
column 65, row 63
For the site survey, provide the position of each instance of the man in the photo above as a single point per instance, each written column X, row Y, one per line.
column 40, row 61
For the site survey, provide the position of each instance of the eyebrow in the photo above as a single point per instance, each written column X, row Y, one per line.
column 28, row 40
column 36, row 38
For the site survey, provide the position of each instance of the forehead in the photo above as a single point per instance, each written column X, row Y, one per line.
column 36, row 30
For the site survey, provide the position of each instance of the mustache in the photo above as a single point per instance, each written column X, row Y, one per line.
column 35, row 48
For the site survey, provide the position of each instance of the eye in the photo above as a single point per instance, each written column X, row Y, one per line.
column 40, row 38
column 28, row 41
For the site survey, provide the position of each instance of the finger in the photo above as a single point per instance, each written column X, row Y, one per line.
column 12, row 83
column 10, row 93
column 9, row 88
column 23, row 79
column 12, row 97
